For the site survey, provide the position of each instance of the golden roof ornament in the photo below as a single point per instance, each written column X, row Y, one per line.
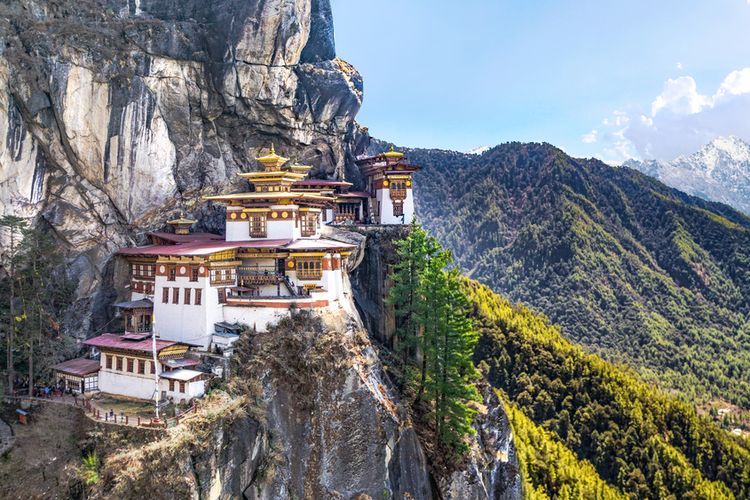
column 272, row 161
column 393, row 153
column 182, row 224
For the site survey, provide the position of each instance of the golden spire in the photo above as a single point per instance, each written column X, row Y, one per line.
column 393, row 153
column 272, row 161
column 182, row 224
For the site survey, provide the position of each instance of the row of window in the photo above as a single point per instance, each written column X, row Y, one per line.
column 141, row 287
column 172, row 273
column 143, row 270
column 172, row 386
column 223, row 276
column 189, row 294
column 128, row 365
column 259, row 225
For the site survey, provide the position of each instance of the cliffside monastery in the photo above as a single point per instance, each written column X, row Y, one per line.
column 190, row 292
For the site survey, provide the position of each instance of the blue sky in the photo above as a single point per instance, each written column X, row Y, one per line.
column 612, row 79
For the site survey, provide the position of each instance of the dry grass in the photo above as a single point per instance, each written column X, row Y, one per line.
column 162, row 469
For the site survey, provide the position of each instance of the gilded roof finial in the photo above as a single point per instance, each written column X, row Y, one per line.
column 393, row 148
column 273, row 149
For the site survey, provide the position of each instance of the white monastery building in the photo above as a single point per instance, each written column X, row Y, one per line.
column 186, row 287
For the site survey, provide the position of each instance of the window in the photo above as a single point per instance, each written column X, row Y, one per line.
column 175, row 295
column 398, row 208
column 182, row 387
column 142, row 366
column 130, row 365
column 165, row 295
column 172, row 273
column 119, row 363
column 309, row 269
column 171, row 385
column 258, row 226
column 187, row 297
column 222, row 295
column 309, row 224
column 198, row 294
column 146, row 323
column 152, row 366
column 194, row 274
column 108, row 358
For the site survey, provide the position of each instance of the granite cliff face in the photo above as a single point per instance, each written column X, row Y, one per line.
column 117, row 113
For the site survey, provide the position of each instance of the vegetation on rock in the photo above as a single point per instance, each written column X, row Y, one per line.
column 436, row 335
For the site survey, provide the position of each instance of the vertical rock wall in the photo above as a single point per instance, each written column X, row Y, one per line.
column 115, row 114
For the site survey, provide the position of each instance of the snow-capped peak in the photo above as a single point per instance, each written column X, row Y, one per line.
column 478, row 150
column 720, row 171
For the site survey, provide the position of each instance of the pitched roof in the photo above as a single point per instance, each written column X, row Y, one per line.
column 78, row 367
column 182, row 375
column 114, row 341
column 136, row 304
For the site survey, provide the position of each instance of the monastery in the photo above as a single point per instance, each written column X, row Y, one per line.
column 190, row 292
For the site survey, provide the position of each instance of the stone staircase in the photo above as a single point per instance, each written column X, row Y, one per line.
column 6, row 437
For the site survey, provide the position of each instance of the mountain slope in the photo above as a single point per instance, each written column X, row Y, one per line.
column 638, row 440
column 633, row 270
column 720, row 171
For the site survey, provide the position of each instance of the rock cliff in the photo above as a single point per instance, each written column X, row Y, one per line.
column 117, row 113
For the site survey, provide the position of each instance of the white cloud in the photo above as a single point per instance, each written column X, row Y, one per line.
column 678, row 65
column 681, row 119
column 590, row 138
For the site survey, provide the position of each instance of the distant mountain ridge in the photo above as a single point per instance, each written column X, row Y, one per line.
column 720, row 171
column 632, row 269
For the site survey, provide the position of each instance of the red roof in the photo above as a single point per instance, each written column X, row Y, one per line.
column 186, row 238
column 201, row 247
column 114, row 341
column 79, row 367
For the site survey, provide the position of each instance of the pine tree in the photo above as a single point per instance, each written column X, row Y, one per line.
column 14, row 225
column 436, row 333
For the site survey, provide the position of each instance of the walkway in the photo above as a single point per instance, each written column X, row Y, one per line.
column 94, row 412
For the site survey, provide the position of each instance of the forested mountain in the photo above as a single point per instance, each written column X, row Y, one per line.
column 633, row 270
column 580, row 422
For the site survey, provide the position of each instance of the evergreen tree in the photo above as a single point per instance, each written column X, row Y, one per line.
column 436, row 333
column 44, row 290
column 14, row 225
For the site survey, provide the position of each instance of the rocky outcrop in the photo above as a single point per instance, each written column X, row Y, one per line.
column 491, row 470
column 117, row 113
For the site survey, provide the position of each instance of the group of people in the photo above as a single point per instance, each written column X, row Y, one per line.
column 21, row 388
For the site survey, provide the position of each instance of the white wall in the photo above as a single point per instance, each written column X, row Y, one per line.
column 259, row 317
column 237, row 230
column 386, row 207
column 180, row 322
column 125, row 383
column 194, row 389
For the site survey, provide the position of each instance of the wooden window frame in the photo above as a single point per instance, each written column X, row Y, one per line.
column 172, row 273
column 187, row 298
column 194, row 274
column 222, row 293
column 171, row 385
column 118, row 363
column 198, row 296
column 175, row 295
column 309, row 224
column 141, row 366
column 258, row 225
column 309, row 268
column 130, row 364
column 182, row 387
column 165, row 295
column 108, row 361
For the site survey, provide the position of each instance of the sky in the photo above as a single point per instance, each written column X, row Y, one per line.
column 613, row 79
